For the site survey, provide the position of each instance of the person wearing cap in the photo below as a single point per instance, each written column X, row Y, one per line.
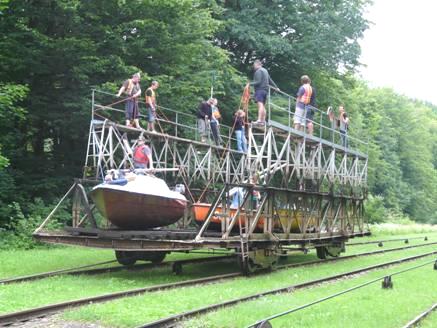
column 142, row 155
column 151, row 105
column 132, row 90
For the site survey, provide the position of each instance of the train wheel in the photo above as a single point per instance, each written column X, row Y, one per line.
column 125, row 257
column 333, row 251
column 321, row 252
column 247, row 266
column 261, row 259
column 158, row 257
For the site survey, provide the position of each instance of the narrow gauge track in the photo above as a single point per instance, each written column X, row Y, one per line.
column 420, row 317
column 425, row 238
column 53, row 308
column 79, row 270
column 174, row 320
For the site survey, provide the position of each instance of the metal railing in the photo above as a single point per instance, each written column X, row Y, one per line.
column 281, row 108
column 179, row 124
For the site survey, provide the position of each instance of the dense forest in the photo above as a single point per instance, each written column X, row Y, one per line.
column 53, row 52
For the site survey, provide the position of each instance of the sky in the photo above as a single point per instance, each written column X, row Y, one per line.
column 400, row 47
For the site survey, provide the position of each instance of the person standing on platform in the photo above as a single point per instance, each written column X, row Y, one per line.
column 343, row 121
column 142, row 155
column 310, row 111
column 151, row 105
column 239, row 129
column 214, row 122
column 261, row 83
column 302, row 101
column 203, row 116
column 132, row 89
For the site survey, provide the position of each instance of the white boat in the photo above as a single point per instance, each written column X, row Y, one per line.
column 142, row 203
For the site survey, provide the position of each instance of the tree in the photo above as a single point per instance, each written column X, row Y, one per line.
column 293, row 36
column 61, row 49
column 12, row 118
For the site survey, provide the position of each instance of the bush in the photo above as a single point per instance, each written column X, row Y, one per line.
column 375, row 210
column 18, row 233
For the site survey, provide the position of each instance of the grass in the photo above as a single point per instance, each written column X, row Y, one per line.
column 401, row 229
column 430, row 321
column 25, row 262
column 56, row 289
column 25, row 295
column 165, row 303
column 371, row 306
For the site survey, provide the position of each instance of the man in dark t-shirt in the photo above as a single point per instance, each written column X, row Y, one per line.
column 204, row 114
column 261, row 83
column 132, row 90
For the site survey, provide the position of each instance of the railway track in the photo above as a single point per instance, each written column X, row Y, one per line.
column 406, row 240
column 53, row 308
column 413, row 323
column 80, row 270
column 174, row 320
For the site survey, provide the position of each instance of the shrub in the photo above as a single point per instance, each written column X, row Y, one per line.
column 18, row 233
column 375, row 210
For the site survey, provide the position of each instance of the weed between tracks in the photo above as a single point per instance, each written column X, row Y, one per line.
column 150, row 307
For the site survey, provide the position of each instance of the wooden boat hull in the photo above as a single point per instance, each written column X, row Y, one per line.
column 136, row 211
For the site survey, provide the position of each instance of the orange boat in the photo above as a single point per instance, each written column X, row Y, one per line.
column 201, row 211
column 296, row 219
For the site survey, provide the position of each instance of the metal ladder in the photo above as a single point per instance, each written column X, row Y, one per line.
column 96, row 131
column 244, row 242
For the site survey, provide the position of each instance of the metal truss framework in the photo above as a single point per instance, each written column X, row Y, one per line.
column 311, row 190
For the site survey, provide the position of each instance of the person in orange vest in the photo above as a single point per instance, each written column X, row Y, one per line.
column 132, row 90
column 302, row 101
column 151, row 105
column 142, row 155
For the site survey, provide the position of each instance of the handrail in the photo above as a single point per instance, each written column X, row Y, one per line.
column 291, row 101
column 225, row 131
column 325, row 132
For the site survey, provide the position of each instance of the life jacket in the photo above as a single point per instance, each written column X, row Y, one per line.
column 216, row 114
column 152, row 97
column 139, row 156
column 306, row 97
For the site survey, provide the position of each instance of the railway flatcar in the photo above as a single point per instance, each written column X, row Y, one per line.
column 309, row 188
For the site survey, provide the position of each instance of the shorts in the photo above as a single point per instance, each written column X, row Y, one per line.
column 201, row 124
column 151, row 114
column 131, row 110
column 261, row 96
column 310, row 113
column 298, row 117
